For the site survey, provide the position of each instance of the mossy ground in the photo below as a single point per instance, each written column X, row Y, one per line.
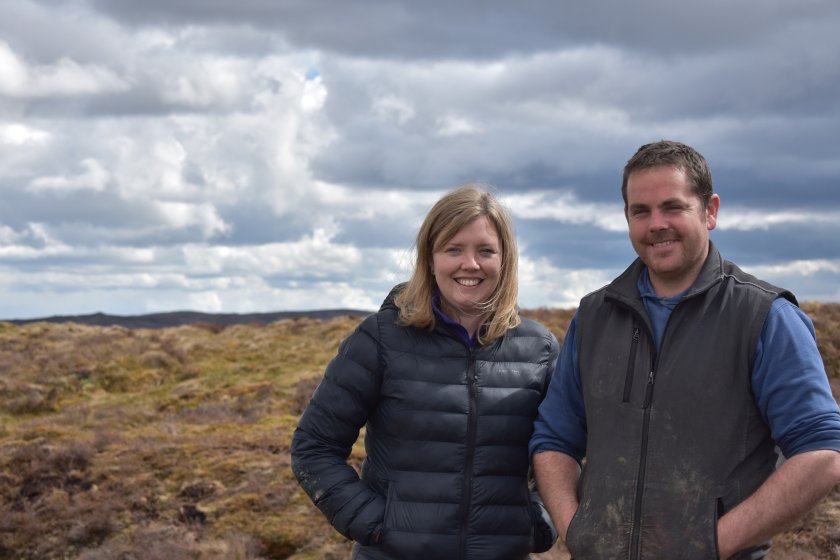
column 174, row 443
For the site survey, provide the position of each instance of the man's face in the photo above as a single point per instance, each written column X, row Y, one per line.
column 669, row 228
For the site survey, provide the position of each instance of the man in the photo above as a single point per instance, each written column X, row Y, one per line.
column 676, row 387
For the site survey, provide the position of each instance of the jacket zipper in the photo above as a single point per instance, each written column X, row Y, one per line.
column 471, row 429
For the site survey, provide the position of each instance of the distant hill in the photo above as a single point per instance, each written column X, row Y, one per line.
column 177, row 318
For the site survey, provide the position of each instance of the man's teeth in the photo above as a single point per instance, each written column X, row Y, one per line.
column 468, row 282
column 662, row 244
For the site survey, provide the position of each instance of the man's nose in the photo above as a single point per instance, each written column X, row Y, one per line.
column 658, row 221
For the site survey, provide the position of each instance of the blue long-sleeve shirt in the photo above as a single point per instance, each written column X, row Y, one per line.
column 789, row 384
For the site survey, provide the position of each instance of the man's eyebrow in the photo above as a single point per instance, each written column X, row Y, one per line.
column 666, row 202
column 676, row 202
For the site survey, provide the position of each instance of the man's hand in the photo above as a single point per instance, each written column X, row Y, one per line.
column 557, row 477
column 796, row 487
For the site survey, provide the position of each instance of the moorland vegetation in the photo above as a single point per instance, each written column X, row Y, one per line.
column 161, row 444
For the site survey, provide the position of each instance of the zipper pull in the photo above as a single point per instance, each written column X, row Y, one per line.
column 649, row 389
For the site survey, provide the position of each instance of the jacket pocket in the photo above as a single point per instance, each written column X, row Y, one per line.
column 572, row 538
column 718, row 514
column 383, row 527
column 712, row 509
column 572, row 541
column 631, row 366
column 695, row 536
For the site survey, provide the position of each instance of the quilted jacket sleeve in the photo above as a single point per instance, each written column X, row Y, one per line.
column 327, row 430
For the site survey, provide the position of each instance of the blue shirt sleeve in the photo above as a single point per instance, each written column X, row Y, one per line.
column 790, row 385
column 561, row 421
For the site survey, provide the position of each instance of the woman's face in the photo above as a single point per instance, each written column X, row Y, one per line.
column 467, row 268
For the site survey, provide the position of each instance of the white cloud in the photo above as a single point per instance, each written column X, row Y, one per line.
column 211, row 302
column 94, row 177
column 244, row 157
column 18, row 134
column 797, row 268
column 8, row 236
column 541, row 284
column 314, row 95
column 809, row 279
column 393, row 109
column 314, row 255
column 749, row 219
column 452, row 125
column 31, row 243
column 207, row 81
column 62, row 78
column 566, row 207
column 15, row 75
column 205, row 217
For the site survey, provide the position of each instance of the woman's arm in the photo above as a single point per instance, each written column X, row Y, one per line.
column 327, row 430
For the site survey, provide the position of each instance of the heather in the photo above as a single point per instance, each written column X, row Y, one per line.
column 167, row 443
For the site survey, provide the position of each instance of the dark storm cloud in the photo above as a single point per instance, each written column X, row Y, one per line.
column 788, row 242
column 91, row 219
column 105, row 209
column 487, row 29
column 572, row 246
column 366, row 233
column 775, row 190
column 254, row 222
column 232, row 155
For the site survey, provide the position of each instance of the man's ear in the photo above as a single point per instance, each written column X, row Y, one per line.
column 712, row 207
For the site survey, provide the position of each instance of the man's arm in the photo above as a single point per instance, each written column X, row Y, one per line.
column 557, row 477
column 791, row 390
column 796, row 487
column 559, row 438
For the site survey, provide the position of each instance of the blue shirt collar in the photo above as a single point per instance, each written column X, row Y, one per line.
column 658, row 308
column 648, row 293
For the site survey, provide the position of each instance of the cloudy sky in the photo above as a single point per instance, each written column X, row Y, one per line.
column 267, row 155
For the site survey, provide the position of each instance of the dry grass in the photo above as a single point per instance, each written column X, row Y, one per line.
column 174, row 443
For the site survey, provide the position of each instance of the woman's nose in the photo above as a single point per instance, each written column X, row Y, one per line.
column 469, row 262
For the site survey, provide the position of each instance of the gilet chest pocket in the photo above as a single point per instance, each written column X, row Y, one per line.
column 631, row 366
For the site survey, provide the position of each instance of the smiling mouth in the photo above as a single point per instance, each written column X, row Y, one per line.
column 660, row 244
column 469, row 282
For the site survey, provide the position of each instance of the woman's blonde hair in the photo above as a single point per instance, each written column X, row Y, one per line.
column 456, row 209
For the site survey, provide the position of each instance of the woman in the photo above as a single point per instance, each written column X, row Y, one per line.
column 447, row 379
